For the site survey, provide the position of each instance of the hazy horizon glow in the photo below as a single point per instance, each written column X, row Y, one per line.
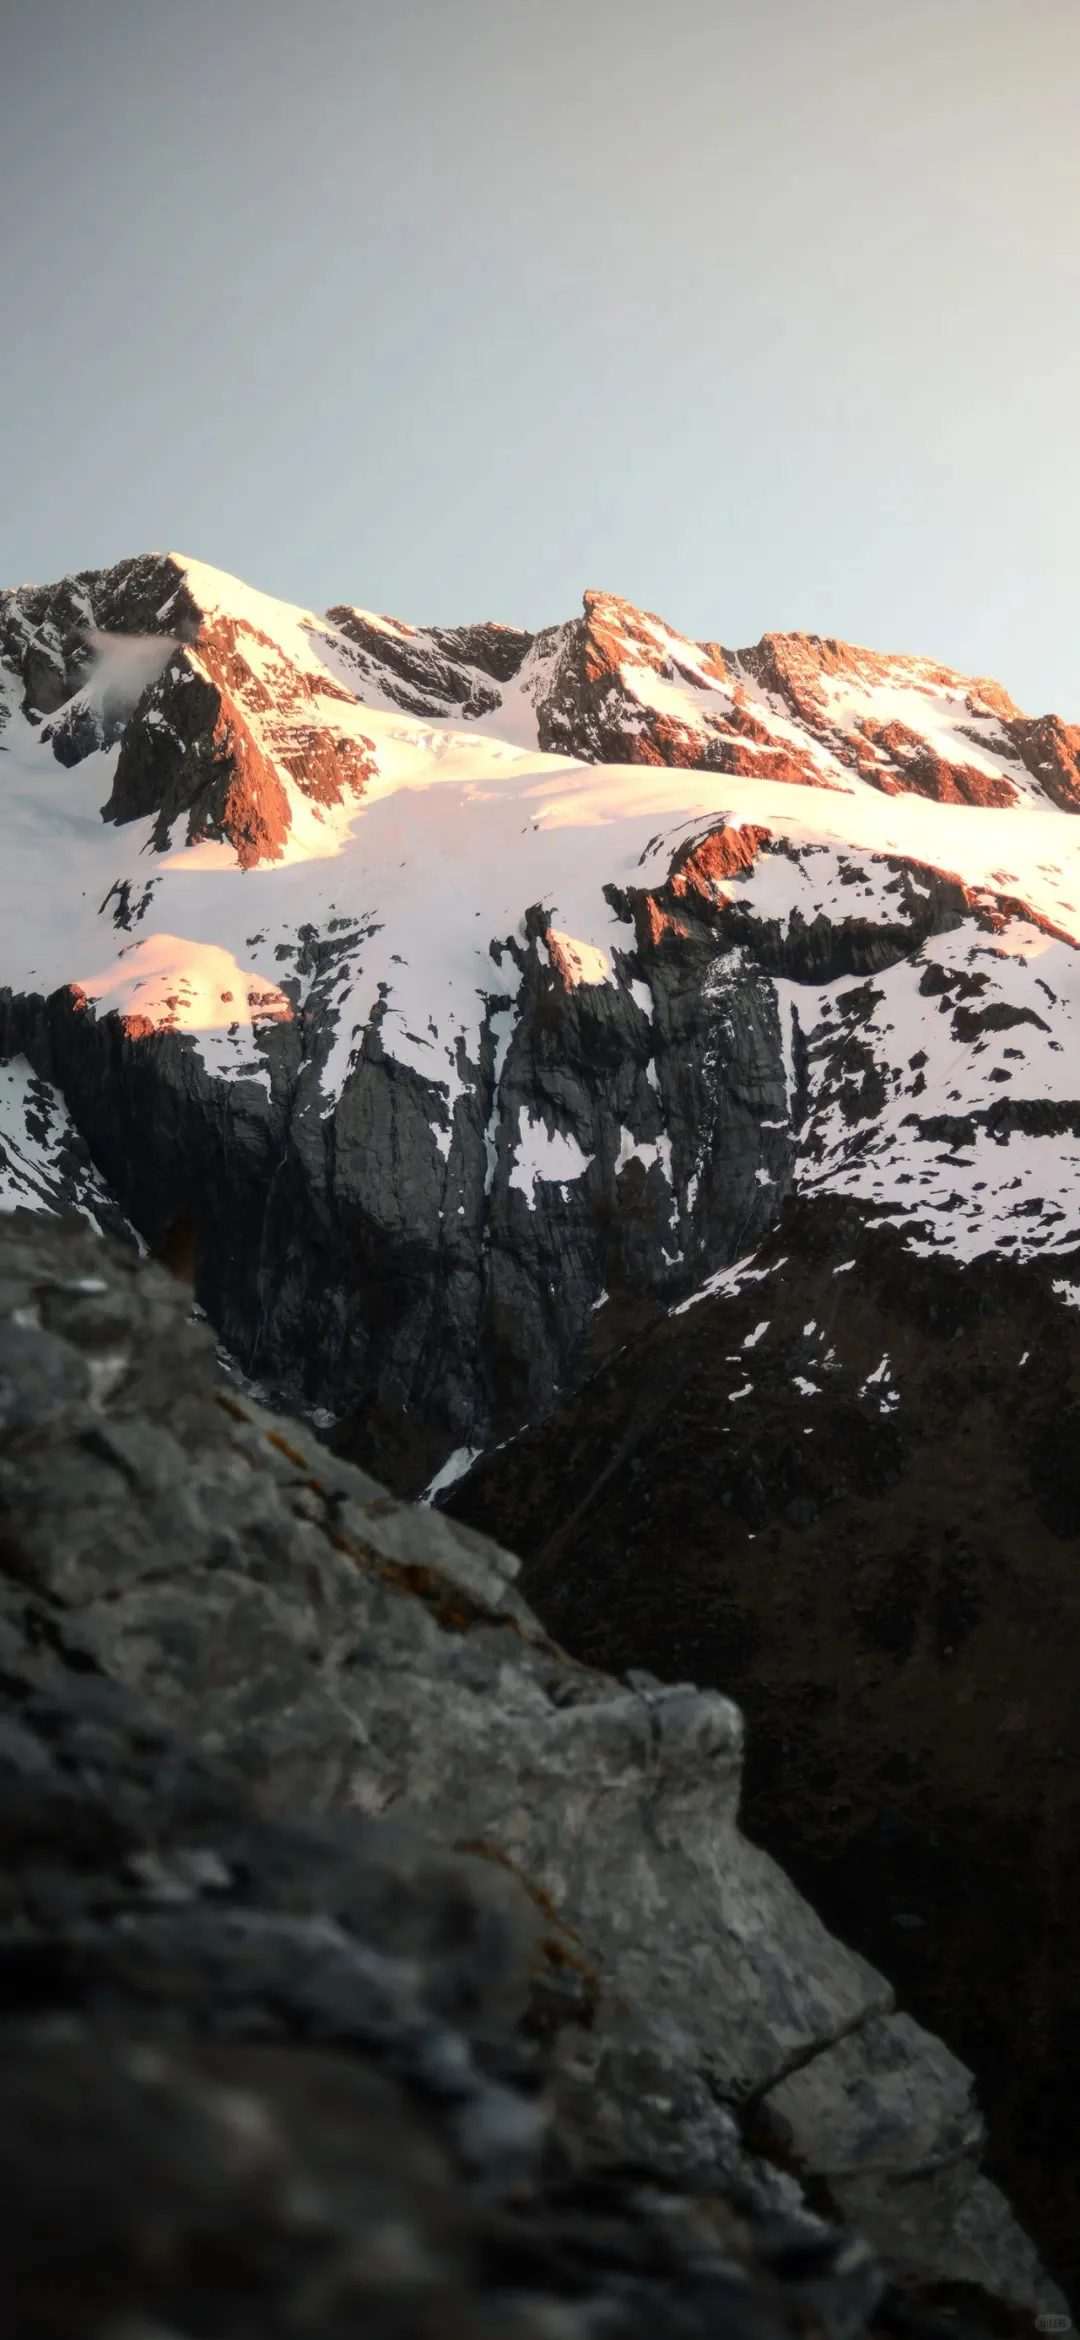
column 764, row 318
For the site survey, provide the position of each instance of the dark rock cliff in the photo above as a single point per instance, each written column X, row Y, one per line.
column 439, row 1299
column 443, row 1292
column 430, row 1281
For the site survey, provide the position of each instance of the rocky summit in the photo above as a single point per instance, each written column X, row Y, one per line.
column 370, row 1965
column 624, row 1089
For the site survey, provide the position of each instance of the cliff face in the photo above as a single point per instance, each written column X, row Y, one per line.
column 364, row 1956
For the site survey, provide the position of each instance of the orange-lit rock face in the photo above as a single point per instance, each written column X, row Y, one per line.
column 740, row 745
column 219, row 729
column 298, row 711
column 799, row 667
column 654, row 924
column 808, row 680
column 802, row 709
column 809, row 675
column 617, row 633
column 166, row 983
column 913, row 769
column 222, row 732
column 187, row 749
column 615, row 668
column 1051, row 751
column 701, row 868
column 701, row 872
column 796, row 667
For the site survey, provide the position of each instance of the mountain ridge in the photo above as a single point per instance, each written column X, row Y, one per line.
column 332, row 898
column 723, row 725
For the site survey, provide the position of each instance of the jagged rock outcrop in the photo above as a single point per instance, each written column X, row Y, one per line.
column 844, row 1485
column 433, row 670
column 362, row 1955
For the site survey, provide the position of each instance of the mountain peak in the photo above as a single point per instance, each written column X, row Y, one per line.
column 257, row 704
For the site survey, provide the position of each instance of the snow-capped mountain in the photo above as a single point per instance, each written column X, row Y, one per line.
column 466, row 991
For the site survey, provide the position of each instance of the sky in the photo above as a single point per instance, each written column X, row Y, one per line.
column 764, row 313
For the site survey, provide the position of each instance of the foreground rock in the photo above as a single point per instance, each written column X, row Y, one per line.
column 368, row 1963
column 845, row 1485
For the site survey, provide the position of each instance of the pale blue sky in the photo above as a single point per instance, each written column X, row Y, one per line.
column 765, row 313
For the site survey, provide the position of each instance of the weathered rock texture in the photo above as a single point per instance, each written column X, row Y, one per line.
column 364, row 1959
column 848, row 1490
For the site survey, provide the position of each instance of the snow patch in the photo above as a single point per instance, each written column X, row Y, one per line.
column 727, row 1281
column 647, row 1151
column 453, row 1469
column 545, row 1156
column 577, row 962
